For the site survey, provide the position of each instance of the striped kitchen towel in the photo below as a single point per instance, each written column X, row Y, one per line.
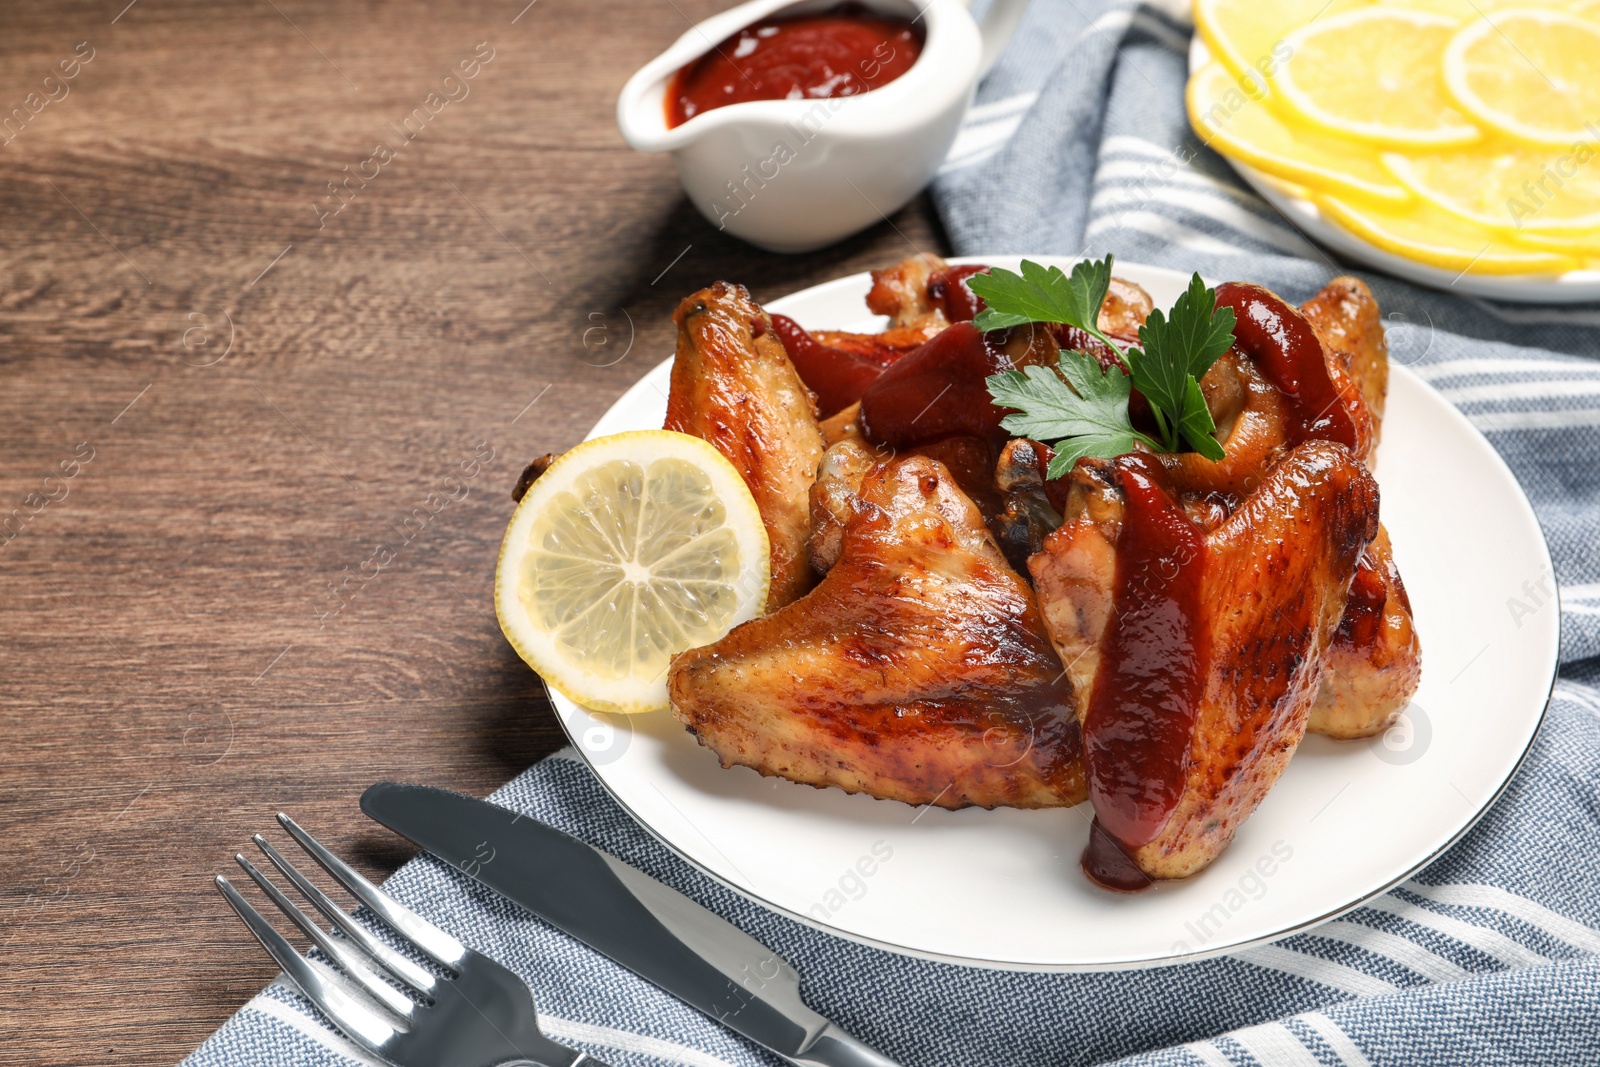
column 1489, row 956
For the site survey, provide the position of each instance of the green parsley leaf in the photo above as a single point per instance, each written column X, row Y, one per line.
column 1196, row 424
column 1087, row 414
column 1197, row 333
column 1045, row 294
column 1178, row 350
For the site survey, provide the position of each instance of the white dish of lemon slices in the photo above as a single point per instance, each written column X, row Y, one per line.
column 1452, row 145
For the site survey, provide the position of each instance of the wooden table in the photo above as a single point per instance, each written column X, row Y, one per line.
column 232, row 373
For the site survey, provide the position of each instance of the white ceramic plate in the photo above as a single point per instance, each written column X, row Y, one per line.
column 1573, row 287
column 1347, row 820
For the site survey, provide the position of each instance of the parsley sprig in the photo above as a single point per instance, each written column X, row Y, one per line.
column 1084, row 410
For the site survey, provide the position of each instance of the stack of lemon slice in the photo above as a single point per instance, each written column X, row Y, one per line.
column 1461, row 134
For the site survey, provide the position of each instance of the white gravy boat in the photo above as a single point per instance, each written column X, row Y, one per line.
column 795, row 175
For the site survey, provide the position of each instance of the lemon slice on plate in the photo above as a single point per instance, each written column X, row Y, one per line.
column 1582, row 246
column 628, row 550
column 1539, row 190
column 1373, row 75
column 1250, row 131
column 1248, row 35
column 1427, row 235
column 1532, row 73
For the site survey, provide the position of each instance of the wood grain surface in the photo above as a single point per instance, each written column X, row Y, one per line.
column 221, row 397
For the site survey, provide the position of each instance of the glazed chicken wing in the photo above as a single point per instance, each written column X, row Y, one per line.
column 1374, row 664
column 1345, row 315
column 733, row 386
column 1195, row 651
column 1375, row 661
column 917, row 670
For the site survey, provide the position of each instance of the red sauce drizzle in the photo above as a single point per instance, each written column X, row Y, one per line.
column 1285, row 346
column 938, row 390
column 1108, row 866
column 1136, row 734
column 844, row 52
column 837, row 377
column 948, row 289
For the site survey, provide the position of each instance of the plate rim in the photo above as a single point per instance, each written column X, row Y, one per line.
column 1104, row 967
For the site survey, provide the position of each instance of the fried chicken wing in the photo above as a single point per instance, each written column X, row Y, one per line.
column 834, row 496
column 734, row 387
column 901, row 293
column 1374, row 663
column 1196, row 654
column 1026, row 516
column 917, row 670
column 1345, row 315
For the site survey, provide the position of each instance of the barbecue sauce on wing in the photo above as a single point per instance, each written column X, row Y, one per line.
column 948, row 289
column 837, row 377
column 844, row 52
column 1282, row 342
column 1137, row 731
column 938, row 390
column 1362, row 622
column 1108, row 866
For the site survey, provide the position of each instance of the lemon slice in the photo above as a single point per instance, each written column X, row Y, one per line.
column 1532, row 73
column 1543, row 190
column 1248, row 130
column 1461, row 10
column 1247, row 36
column 1582, row 246
column 628, row 550
column 1425, row 234
column 1373, row 75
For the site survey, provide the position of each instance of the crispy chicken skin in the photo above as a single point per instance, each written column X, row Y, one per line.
column 834, row 496
column 1374, row 663
column 1026, row 516
column 1274, row 578
column 734, row 387
column 917, row 670
column 901, row 293
column 1124, row 309
column 1345, row 315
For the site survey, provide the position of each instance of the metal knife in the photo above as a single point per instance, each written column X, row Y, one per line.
column 654, row 931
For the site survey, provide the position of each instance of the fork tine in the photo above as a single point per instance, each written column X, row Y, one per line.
column 391, row 961
column 347, row 959
column 433, row 941
column 352, row 1018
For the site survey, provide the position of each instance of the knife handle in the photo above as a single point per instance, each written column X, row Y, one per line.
column 835, row 1048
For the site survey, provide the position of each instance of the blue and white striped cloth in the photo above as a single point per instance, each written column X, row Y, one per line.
column 1490, row 956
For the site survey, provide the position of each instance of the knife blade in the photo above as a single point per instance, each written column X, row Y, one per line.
column 649, row 928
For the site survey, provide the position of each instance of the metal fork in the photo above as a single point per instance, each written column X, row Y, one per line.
column 476, row 1014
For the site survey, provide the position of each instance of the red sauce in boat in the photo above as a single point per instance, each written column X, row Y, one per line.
column 844, row 52
column 1137, row 731
column 1283, row 344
